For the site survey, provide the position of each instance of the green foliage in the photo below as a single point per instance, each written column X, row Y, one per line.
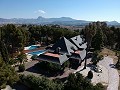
column 100, row 57
column 78, row 82
column 8, row 76
column 99, row 34
column 12, row 61
column 40, row 83
column 13, row 38
column 73, row 82
column 21, row 57
column 118, row 63
column 66, row 64
column 97, row 42
column 34, row 57
column 4, row 51
column 90, row 75
column 50, row 67
column 96, row 57
column 89, row 31
column 53, row 67
column 16, row 37
column 21, row 67
column 99, row 86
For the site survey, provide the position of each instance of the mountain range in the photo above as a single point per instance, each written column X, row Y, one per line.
column 42, row 20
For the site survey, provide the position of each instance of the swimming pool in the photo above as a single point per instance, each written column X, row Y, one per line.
column 33, row 47
column 37, row 52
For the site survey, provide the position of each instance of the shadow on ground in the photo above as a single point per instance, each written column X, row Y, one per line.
column 38, row 70
column 112, row 65
column 20, row 86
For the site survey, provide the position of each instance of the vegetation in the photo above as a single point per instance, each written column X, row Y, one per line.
column 99, row 86
column 78, row 82
column 21, row 67
column 21, row 58
column 118, row 63
column 73, row 82
column 34, row 57
column 53, row 67
column 8, row 76
column 98, row 34
column 16, row 37
column 13, row 38
column 90, row 75
column 40, row 83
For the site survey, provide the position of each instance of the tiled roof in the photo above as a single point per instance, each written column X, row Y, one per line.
column 52, row 54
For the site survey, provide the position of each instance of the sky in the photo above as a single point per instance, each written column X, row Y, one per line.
column 91, row 10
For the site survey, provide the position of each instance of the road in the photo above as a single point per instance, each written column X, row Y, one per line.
column 112, row 72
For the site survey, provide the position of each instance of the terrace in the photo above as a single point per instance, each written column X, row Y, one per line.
column 51, row 54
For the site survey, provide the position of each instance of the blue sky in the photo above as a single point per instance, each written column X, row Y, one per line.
column 92, row 10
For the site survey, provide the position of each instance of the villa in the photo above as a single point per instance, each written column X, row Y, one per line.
column 73, row 50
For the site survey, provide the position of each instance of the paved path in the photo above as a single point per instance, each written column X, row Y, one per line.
column 97, row 77
column 113, row 73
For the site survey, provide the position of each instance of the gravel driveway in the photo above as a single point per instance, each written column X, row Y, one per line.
column 113, row 73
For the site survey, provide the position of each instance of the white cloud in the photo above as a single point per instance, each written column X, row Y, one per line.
column 40, row 12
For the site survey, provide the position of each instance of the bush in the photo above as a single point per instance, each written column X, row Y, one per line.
column 117, row 65
column 8, row 76
column 100, row 57
column 21, row 67
column 90, row 75
column 78, row 82
column 34, row 57
column 12, row 61
column 3, row 86
column 99, row 86
column 40, row 83
column 66, row 64
column 50, row 67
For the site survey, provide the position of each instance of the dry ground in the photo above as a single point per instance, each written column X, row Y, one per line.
column 112, row 54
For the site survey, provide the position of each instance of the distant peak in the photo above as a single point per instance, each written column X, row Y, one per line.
column 40, row 17
column 66, row 17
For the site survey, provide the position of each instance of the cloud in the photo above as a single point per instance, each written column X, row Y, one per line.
column 40, row 12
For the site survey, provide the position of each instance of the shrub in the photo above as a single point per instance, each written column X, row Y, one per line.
column 12, row 61
column 3, row 86
column 117, row 65
column 21, row 67
column 78, row 82
column 50, row 67
column 90, row 75
column 100, row 57
column 40, row 83
column 34, row 57
column 99, row 86
column 66, row 64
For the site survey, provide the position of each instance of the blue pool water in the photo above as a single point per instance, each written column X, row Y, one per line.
column 37, row 52
column 33, row 47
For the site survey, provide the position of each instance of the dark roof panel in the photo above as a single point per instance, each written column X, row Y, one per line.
column 65, row 46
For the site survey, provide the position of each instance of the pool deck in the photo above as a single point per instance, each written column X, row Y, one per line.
column 27, row 51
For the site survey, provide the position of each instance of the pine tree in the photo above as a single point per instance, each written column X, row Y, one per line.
column 97, row 42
